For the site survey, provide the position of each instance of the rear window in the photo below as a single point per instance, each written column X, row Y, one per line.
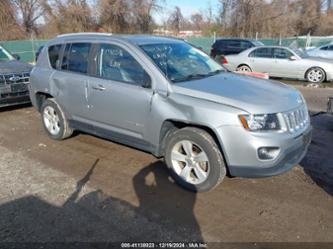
column 54, row 55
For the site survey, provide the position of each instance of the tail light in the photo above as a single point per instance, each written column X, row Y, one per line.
column 224, row 60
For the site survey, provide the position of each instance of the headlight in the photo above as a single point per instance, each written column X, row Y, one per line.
column 264, row 122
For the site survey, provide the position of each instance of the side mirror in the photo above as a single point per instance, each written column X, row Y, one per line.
column 293, row 58
column 17, row 57
column 146, row 82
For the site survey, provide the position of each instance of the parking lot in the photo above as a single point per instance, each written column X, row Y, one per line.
column 89, row 189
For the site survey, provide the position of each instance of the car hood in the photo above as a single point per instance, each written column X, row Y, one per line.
column 250, row 94
column 14, row 67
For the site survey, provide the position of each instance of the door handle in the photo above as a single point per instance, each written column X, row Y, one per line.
column 99, row 88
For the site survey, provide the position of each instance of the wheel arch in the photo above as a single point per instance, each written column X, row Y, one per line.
column 40, row 98
column 170, row 125
column 244, row 64
column 313, row 67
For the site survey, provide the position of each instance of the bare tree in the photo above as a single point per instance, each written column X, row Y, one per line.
column 176, row 19
column 30, row 11
column 63, row 16
column 8, row 22
column 142, row 12
column 114, row 15
column 198, row 21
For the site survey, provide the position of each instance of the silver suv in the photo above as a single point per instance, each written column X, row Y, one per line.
column 164, row 96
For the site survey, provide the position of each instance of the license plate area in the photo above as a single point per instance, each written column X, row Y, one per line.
column 5, row 89
column 15, row 88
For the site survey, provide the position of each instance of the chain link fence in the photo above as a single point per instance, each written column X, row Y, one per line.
column 26, row 49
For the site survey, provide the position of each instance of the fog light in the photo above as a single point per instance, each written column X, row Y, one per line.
column 268, row 153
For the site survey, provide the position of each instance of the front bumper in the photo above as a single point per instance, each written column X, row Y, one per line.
column 17, row 100
column 240, row 150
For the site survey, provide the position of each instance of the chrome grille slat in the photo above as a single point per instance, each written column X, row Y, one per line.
column 23, row 78
column 296, row 119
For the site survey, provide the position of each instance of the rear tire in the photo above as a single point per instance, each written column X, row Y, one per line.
column 194, row 159
column 315, row 75
column 54, row 120
column 244, row 68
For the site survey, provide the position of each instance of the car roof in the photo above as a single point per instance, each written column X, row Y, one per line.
column 265, row 46
column 135, row 39
column 234, row 39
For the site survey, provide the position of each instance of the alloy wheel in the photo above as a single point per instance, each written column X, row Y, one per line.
column 51, row 120
column 190, row 162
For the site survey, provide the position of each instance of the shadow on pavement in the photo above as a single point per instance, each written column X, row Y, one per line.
column 14, row 107
column 318, row 163
column 165, row 213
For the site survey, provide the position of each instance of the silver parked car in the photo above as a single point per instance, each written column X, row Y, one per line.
column 166, row 97
column 325, row 51
column 281, row 62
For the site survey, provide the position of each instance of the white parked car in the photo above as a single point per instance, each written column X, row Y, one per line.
column 281, row 62
column 325, row 51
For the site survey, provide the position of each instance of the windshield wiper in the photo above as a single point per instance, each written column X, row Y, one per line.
column 216, row 72
column 190, row 77
column 198, row 76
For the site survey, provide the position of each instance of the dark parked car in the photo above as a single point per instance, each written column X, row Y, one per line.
column 14, row 79
column 223, row 47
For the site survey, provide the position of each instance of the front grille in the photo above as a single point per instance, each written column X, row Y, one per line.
column 14, row 84
column 297, row 119
column 14, row 78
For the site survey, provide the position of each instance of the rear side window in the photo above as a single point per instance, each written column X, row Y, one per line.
column 234, row 44
column 54, row 55
column 76, row 57
column 262, row 53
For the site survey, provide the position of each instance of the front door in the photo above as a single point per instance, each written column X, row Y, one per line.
column 119, row 96
column 286, row 64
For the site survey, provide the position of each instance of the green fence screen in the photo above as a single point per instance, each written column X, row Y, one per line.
column 26, row 49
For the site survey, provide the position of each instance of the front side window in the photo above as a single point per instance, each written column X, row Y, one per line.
column 115, row 63
column 281, row 53
column 5, row 55
column 54, row 55
column 181, row 62
column 262, row 53
column 76, row 57
column 330, row 48
column 324, row 48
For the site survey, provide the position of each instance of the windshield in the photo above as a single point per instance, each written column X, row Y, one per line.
column 300, row 53
column 5, row 55
column 181, row 62
column 258, row 43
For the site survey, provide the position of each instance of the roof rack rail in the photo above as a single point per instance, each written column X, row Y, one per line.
column 84, row 33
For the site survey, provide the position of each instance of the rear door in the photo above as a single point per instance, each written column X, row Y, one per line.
column 69, row 81
column 261, row 60
column 118, row 97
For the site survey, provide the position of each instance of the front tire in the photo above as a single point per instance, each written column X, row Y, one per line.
column 194, row 159
column 54, row 120
column 315, row 75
